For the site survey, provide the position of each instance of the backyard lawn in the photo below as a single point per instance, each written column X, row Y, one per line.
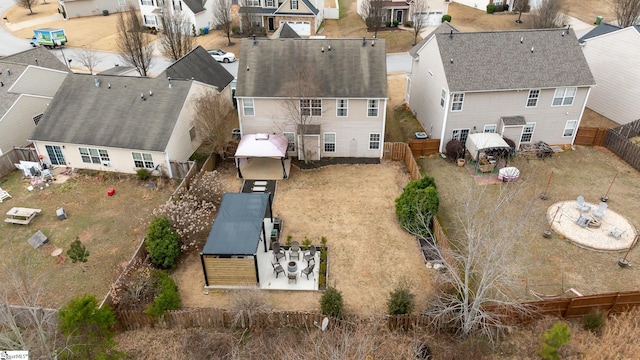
column 111, row 227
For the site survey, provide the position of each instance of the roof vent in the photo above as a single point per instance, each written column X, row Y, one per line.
column 323, row 49
column 254, row 40
column 95, row 79
column 108, row 86
column 329, row 48
column 521, row 39
column 36, row 62
column 364, row 41
column 9, row 72
column 532, row 49
column 373, row 43
column 142, row 97
column 452, row 60
column 170, row 86
column 451, row 34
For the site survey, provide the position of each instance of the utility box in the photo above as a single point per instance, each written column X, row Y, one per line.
column 61, row 214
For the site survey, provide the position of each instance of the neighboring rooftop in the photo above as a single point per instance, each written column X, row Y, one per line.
column 38, row 56
column 601, row 29
column 348, row 68
column 200, row 66
column 507, row 60
column 287, row 32
column 444, row 28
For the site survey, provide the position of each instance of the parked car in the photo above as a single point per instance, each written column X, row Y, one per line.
column 222, row 56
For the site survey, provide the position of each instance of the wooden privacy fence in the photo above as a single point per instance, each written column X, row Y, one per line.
column 400, row 151
column 26, row 316
column 14, row 156
column 590, row 136
column 618, row 141
column 421, row 147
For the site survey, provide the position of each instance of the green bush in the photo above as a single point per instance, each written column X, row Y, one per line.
column 419, row 199
column 558, row 336
column 162, row 243
column 143, row 174
column 77, row 252
column 491, row 9
column 408, row 23
column 167, row 296
column 446, row 18
column 594, row 322
column 388, row 24
column 401, row 301
column 235, row 30
column 90, row 329
column 396, row 23
column 331, row 303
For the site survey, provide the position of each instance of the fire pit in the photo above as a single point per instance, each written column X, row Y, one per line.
column 292, row 266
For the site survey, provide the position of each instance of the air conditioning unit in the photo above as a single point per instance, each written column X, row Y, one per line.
column 106, row 163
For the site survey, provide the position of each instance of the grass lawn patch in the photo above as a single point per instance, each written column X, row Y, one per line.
column 110, row 227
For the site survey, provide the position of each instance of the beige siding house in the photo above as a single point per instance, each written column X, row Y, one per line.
column 27, row 88
column 79, row 8
column 613, row 55
column 337, row 90
column 303, row 16
column 200, row 13
column 529, row 85
column 122, row 124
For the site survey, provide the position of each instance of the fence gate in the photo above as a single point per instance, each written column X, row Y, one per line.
column 179, row 170
column 591, row 136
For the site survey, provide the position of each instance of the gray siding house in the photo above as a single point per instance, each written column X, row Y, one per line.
column 527, row 85
column 338, row 87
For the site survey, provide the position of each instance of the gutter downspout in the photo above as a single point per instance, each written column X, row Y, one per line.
column 384, row 122
column 580, row 118
column 166, row 157
column 444, row 120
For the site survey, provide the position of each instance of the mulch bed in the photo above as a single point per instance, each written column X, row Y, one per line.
column 332, row 161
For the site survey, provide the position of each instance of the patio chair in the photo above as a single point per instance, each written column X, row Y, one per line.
column 617, row 233
column 277, row 268
column 583, row 220
column 4, row 195
column 599, row 212
column 294, row 251
column 308, row 270
column 311, row 254
column 293, row 276
column 582, row 206
column 278, row 252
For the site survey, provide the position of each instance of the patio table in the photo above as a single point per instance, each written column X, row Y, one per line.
column 21, row 216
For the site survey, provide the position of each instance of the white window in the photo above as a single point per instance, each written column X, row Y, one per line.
column 374, row 141
column 527, row 132
column 460, row 134
column 456, row 104
column 142, row 160
column 342, row 106
column 150, row 20
column 329, row 142
column 270, row 3
column 372, row 108
column 570, row 128
column 532, row 100
column 294, row 4
column 564, row 96
column 36, row 119
column 253, row 2
column 311, row 107
column 291, row 140
column 147, row 2
column 443, row 98
column 95, row 156
column 248, row 108
column 497, row 2
column 489, row 129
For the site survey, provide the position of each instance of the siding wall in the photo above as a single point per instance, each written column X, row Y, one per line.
column 92, row 8
column 17, row 123
column 229, row 272
column 615, row 64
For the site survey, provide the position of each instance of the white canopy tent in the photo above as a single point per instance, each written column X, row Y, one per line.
column 482, row 142
column 262, row 146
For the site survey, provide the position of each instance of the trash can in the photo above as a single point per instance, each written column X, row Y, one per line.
column 61, row 214
column 201, row 31
column 598, row 20
column 105, row 12
column 206, row 30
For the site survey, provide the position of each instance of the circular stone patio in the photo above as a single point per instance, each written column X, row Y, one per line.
column 599, row 238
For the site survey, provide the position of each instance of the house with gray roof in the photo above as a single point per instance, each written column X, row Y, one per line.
column 331, row 94
column 303, row 16
column 125, row 123
column 199, row 13
column 612, row 54
column 28, row 82
column 79, row 8
column 526, row 85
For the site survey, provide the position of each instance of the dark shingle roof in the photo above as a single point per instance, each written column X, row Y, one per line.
column 115, row 116
column 601, row 29
column 287, row 32
column 200, row 66
column 43, row 56
column 444, row 28
column 478, row 61
column 350, row 69
column 195, row 5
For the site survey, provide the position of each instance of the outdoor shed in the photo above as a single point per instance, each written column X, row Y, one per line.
column 483, row 142
column 229, row 255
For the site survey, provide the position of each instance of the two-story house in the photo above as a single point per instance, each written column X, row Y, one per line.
column 337, row 87
column 199, row 12
column 303, row 16
column 404, row 10
column 79, row 8
column 526, row 85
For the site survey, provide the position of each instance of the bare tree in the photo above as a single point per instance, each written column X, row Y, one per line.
column 248, row 17
column 222, row 17
column 89, row 58
column 134, row 45
column 373, row 13
column 419, row 10
column 302, row 108
column 520, row 6
column 548, row 15
column 214, row 120
column 27, row 4
column 627, row 12
column 480, row 266
column 175, row 39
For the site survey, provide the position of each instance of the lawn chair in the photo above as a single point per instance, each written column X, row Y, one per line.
column 278, row 252
column 308, row 270
column 294, row 251
column 617, row 233
column 277, row 268
column 583, row 220
column 311, row 254
column 599, row 212
column 582, row 206
column 4, row 195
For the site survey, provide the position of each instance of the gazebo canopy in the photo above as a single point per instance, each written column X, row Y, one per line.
column 484, row 141
column 238, row 225
column 262, row 145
